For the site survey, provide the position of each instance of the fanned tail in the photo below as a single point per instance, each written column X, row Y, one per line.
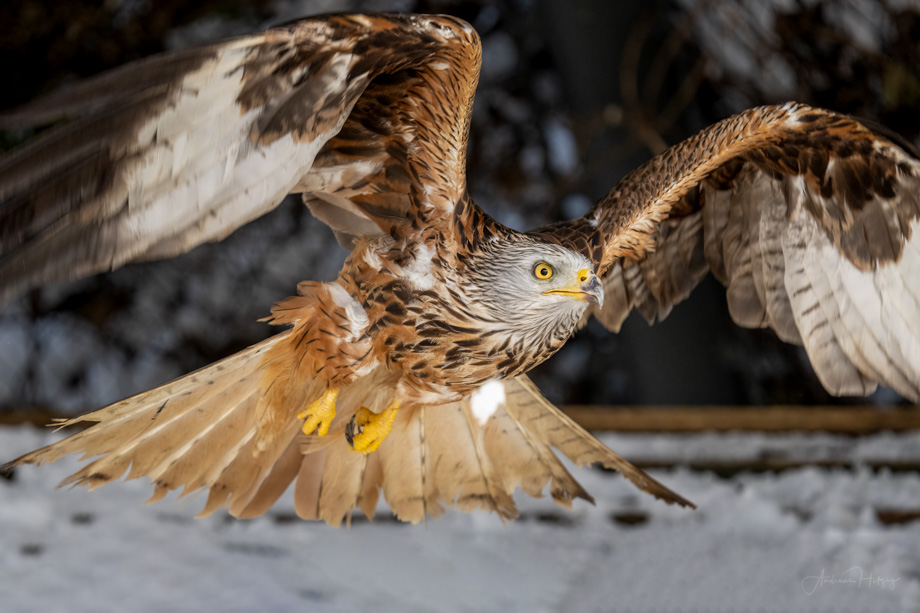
column 445, row 456
column 202, row 431
column 450, row 455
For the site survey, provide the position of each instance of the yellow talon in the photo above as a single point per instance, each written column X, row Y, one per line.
column 367, row 429
column 319, row 415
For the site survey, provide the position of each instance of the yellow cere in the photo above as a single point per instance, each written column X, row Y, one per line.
column 543, row 271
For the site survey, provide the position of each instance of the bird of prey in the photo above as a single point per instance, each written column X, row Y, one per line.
column 406, row 374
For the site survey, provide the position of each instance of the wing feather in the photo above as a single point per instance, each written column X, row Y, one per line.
column 808, row 217
column 339, row 108
column 812, row 319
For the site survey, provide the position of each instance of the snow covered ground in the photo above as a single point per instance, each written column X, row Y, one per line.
column 759, row 542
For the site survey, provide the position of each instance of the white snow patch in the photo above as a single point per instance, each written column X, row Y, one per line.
column 486, row 400
column 753, row 540
column 499, row 56
column 562, row 148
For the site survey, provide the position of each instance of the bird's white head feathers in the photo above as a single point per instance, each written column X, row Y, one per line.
column 533, row 287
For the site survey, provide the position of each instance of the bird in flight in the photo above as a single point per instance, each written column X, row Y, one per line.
column 406, row 375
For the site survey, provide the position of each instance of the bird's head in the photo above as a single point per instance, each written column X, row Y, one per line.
column 532, row 285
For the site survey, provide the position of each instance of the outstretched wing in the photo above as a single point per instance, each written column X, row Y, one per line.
column 367, row 116
column 809, row 218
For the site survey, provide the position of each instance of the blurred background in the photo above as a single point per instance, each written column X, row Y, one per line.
column 572, row 96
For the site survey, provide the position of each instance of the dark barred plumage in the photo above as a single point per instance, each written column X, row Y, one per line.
column 808, row 217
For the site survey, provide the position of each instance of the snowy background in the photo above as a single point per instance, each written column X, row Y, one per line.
column 758, row 542
column 572, row 96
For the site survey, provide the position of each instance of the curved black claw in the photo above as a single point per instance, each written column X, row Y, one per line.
column 351, row 430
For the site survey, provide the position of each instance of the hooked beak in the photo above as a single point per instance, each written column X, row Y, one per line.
column 588, row 288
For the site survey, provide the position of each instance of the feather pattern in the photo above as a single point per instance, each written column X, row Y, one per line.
column 217, row 136
column 808, row 217
column 436, row 456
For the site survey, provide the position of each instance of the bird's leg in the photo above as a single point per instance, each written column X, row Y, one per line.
column 367, row 429
column 320, row 413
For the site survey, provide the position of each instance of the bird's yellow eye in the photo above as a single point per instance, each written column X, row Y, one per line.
column 543, row 271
